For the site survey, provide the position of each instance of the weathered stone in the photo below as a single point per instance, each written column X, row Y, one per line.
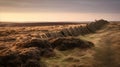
column 64, row 32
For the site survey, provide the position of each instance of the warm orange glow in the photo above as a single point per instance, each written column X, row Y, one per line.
column 47, row 16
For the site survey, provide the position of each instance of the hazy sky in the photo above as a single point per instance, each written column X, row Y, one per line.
column 59, row 10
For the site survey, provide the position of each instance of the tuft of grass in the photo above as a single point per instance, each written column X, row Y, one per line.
column 71, row 59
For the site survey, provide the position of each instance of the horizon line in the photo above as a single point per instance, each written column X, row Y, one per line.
column 49, row 21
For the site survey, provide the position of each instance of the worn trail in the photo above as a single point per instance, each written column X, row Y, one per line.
column 106, row 55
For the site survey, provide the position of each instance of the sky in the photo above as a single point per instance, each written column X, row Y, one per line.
column 59, row 10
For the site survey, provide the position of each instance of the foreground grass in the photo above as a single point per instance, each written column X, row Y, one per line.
column 70, row 58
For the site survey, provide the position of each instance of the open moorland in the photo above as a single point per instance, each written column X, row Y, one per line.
column 94, row 44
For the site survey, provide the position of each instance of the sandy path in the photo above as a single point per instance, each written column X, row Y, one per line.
column 105, row 54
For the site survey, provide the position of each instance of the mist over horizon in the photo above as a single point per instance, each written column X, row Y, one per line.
column 59, row 10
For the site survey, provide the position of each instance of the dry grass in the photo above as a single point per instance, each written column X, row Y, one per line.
column 106, row 50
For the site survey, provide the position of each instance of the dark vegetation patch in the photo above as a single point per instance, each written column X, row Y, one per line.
column 70, row 43
column 28, row 53
column 25, row 54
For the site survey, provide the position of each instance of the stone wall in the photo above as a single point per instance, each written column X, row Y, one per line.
column 78, row 30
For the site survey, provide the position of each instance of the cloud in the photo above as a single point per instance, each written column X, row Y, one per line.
column 93, row 6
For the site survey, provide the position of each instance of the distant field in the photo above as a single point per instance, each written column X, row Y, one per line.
column 13, row 24
column 2, row 24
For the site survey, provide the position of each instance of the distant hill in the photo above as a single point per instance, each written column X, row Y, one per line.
column 3, row 24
